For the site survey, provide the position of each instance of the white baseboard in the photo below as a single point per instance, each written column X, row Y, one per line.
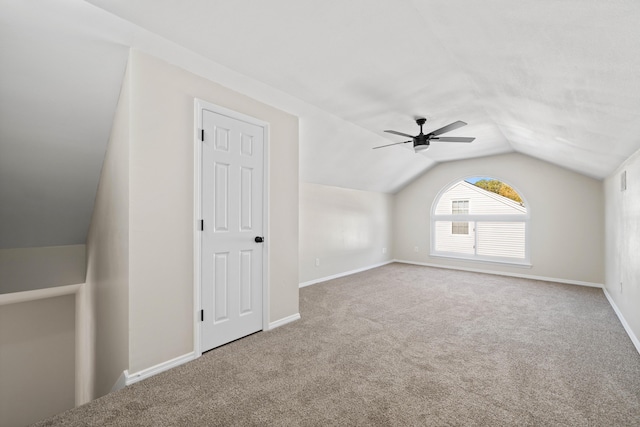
column 127, row 379
column 502, row 273
column 346, row 273
column 122, row 381
column 154, row 370
column 625, row 325
column 284, row 321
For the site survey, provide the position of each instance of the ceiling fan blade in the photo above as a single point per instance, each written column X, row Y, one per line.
column 395, row 143
column 448, row 128
column 399, row 133
column 454, row 139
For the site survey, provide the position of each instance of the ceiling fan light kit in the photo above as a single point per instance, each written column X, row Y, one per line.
column 422, row 142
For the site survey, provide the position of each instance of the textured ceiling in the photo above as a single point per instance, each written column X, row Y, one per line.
column 552, row 79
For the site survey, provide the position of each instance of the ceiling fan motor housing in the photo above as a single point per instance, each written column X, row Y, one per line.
column 421, row 142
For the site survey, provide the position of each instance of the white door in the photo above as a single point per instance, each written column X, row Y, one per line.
column 232, row 212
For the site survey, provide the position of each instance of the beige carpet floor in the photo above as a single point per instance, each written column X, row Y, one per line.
column 405, row 345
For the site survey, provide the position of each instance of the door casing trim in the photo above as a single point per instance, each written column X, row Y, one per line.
column 200, row 106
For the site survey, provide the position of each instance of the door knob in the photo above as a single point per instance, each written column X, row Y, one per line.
column 259, row 239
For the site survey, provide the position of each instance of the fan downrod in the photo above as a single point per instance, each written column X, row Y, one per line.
column 420, row 122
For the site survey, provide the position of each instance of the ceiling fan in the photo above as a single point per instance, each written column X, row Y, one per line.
column 421, row 142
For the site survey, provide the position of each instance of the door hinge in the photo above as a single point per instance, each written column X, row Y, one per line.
column 202, row 135
column 202, row 225
column 202, row 315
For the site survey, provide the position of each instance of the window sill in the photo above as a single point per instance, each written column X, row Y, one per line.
column 512, row 263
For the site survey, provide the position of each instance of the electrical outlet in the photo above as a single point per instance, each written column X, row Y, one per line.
column 317, row 262
column 384, row 251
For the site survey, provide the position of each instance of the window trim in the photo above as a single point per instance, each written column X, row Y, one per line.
column 458, row 225
column 455, row 210
column 526, row 218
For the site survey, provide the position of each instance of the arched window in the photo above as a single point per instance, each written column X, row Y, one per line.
column 480, row 218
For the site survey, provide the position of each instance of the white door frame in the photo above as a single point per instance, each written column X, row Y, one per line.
column 199, row 106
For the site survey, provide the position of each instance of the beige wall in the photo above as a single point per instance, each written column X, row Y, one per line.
column 622, row 212
column 161, row 310
column 26, row 269
column 37, row 354
column 567, row 216
column 345, row 229
column 107, row 287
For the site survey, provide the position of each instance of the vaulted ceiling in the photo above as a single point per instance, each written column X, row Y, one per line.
column 556, row 80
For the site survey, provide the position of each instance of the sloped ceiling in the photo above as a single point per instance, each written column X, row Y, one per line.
column 60, row 79
column 552, row 79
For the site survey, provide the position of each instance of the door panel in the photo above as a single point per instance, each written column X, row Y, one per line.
column 221, row 286
column 232, row 210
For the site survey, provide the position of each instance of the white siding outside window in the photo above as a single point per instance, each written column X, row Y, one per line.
column 448, row 242
column 501, row 239
column 472, row 223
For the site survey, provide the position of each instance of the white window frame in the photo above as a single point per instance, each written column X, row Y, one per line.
column 457, row 201
column 473, row 219
column 458, row 224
